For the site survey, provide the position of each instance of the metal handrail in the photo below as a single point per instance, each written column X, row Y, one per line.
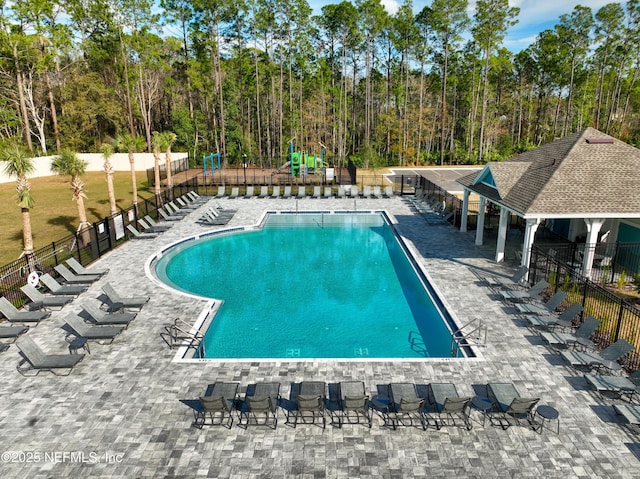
column 477, row 336
column 178, row 335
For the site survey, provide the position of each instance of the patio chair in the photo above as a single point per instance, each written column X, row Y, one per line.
column 388, row 191
column 101, row 317
column 607, row 358
column 249, row 192
column 87, row 331
column 12, row 332
column 507, row 404
column 36, row 360
column 579, row 338
column 563, row 320
column 264, row 192
column 275, row 193
column 221, row 192
column 629, row 412
column 56, row 288
column 406, row 406
column 46, row 301
column 260, row 403
column 69, row 277
column 354, row 403
column 532, row 293
column 235, row 191
column 217, row 405
column 518, row 278
column 287, row 192
column 80, row 270
column 302, row 192
column 620, row 385
column 119, row 302
column 549, row 307
column 317, row 192
column 327, row 192
column 309, row 404
column 137, row 235
column 445, row 403
column 10, row 312
column 149, row 228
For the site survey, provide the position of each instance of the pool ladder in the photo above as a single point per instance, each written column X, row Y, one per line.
column 477, row 335
column 180, row 335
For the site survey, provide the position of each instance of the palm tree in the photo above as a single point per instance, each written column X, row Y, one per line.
column 157, row 139
column 107, row 151
column 68, row 163
column 130, row 144
column 168, row 139
column 18, row 163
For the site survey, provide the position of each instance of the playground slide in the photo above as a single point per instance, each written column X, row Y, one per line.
column 277, row 170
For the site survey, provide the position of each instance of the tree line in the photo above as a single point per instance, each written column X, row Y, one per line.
column 251, row 77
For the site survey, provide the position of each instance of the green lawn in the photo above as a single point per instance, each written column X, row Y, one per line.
column 55, row 214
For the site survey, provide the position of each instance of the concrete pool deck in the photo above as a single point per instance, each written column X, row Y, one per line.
column 119, row 413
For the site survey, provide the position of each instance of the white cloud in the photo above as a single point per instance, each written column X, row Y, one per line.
column 391, row 6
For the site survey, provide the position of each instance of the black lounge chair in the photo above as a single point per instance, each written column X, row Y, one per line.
column 46, row 301
column 260, row 404
column 540, row 309
column 354, row 403
column 69, row 277
column 100, row 317
column 56, row 288
column 10, row 312
column 119, row 302
column 36, row 360
column 80, row 270
column 405, row 407
column 563, row 320
column 445, row 403
column 620, row 385
column 507, row 404
column 607, row 358
column 309, row 403
column 217, row 405
column 579, row 338
column 527, row 295
column 87, row 331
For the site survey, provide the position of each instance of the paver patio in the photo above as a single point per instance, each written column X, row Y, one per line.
column 119, row 413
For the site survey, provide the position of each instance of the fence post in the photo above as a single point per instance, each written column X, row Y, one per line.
column 619, row 324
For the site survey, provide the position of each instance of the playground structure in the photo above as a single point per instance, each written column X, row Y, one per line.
column 212, row 159
column 302, row 163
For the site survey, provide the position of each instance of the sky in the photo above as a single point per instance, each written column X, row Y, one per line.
column 535, row 15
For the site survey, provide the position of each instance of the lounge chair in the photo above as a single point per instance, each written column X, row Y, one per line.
column 196, row 198
column 377, row 193
column 439, row 220
column 317, row 192
column 135, row 234
column 221, row 192
column 532, row 293
column 149, row 228
column 607, row 358
column 249, row 192
column 174, row 210
column 406, row 406
column 10, row 312
column 620, row 385
column 264, row 192
column 366, row 191
column 302, row 192
column 181, row 205
column 327, row 192
column 341, row 192
column 209, row 218
column 101, row 317
column 46, row 301
column 69, row 277
column 154, row 224
column 563, row 320
column 579, row 338
column 119, row 302
column 287, row 192
column 353, row 191
column 388, row 192
column 445, row 403
column 260, row 403
column 168, row 216
column 276, row 192
column 630, row 413
column 80, row 270
column 309, row 404
column 36, row 359
column 87, row 331
column 516, row 280
column 217, row 405
column 547, row 308
column 354, row 403
column 56, row 288
column 12, row 332
column 235, row 191
column 507, row 404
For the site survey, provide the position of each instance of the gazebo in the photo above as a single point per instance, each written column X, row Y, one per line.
column 583, row 185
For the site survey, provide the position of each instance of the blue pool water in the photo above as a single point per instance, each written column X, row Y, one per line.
column 311, row 286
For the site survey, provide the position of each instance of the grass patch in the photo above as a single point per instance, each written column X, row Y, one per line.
column 55, row 214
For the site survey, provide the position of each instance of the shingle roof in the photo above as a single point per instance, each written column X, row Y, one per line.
column 586, row 173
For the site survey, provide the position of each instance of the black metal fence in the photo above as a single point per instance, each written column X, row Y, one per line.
column 619, row 317
column 177, row 166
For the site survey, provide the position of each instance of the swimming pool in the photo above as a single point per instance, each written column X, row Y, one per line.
column 322, row 285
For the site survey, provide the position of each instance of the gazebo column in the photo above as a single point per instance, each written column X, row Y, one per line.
column 529, row 236
column 502, row 234
column 480, row 227
column 465, row 211
column 593, row 228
